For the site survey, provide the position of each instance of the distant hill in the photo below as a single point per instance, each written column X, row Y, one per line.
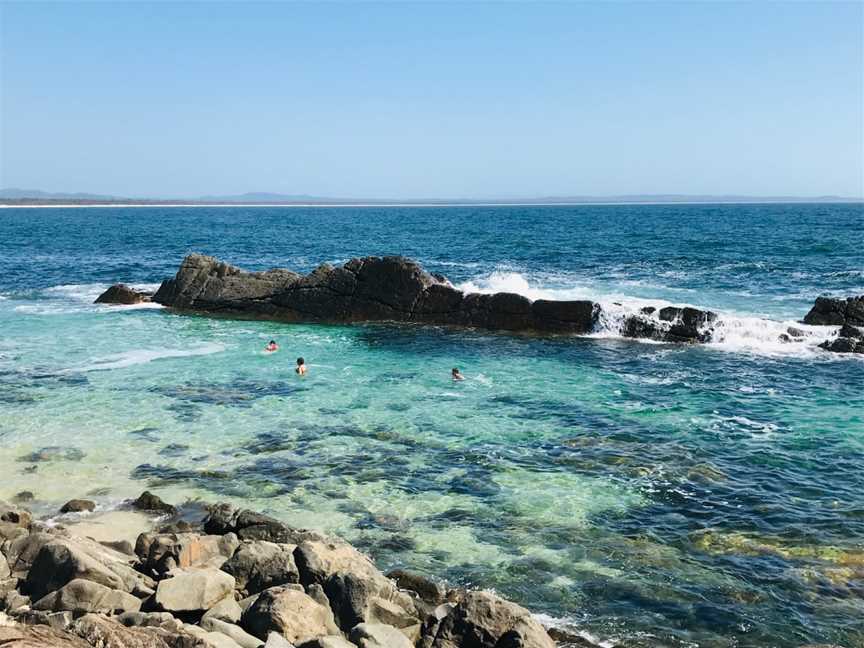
column 263, row 197
column 36, row 194
column 14, row 196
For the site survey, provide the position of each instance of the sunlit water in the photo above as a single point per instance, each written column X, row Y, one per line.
column 642, row 493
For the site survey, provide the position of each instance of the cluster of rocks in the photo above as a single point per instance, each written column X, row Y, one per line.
column 848, row 314
column 396, row 289
column 238, row 579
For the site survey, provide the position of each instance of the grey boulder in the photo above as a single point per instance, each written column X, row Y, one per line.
column 258, row 565
column 86, row 596
column 193, row 590
column 379, row 635
column 483, row 620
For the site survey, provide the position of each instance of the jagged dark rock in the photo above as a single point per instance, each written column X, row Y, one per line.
column 396, row 289
column 850, row 339
column 123, row 294
column 832, row 311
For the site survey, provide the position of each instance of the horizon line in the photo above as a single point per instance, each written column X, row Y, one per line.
column 5, row 204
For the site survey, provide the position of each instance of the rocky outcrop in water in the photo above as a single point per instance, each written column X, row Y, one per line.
column 123, row 294
column 850, row 339
column 396, row 289
column 848, row 314
column 833, row 311
column 222, row 585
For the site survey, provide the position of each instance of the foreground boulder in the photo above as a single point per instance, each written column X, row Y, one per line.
column 482, row 620
column 61, row 560
column 258, row 565
column 837, row 312
column 194, row 590
column 102, row 632
column 161, row 553
column 123, row 294
column 378, row 635
column 290, row 612
column 86, row 596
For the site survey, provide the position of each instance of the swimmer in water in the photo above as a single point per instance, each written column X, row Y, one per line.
column 457, row 375
column 271, row 347
column 301, row 367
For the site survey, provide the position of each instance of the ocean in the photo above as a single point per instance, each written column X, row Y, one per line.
column 638, row 493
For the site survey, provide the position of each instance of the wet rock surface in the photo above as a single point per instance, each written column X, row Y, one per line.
column 391, row 289
column 208, row 586
column 122, row 294
column 850, row 339
column 837, row 311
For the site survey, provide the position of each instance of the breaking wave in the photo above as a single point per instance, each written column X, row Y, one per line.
column 736, row 332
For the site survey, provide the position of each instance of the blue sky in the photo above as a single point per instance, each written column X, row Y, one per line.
column 433, row 100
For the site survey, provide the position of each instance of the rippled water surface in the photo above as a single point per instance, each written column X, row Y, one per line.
column 644, row 494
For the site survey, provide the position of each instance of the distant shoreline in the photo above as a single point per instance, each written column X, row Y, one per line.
column 51, row 205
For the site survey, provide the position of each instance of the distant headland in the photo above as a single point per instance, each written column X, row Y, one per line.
column 36, row 198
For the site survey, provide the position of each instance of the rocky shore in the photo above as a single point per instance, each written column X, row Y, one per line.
column 229, row 579
column 396, row 289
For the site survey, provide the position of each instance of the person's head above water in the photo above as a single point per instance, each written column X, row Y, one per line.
column 300, row 362
column 272, row 342
column 457, row 375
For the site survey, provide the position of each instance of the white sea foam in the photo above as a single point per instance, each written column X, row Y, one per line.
column 76, row 298
column 570, row 626
column 735, row 332
column 142, row 356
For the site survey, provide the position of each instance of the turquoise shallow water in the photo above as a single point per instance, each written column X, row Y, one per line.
column 641, row 493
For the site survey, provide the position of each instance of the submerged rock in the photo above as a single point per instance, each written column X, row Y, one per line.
column 123, row 294
column 54, row 453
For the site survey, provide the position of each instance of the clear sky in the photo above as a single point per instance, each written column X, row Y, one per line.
column 433, row 100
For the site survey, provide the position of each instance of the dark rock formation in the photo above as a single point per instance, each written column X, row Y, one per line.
column 375, row 289
column 147, row 501
column 78, row 506
column 396, row 289
column 670, row 324
column 123, row 294
column 850, row 339
column 831, row 311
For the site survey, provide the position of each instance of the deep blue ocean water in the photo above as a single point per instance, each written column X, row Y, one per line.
column 642, row 494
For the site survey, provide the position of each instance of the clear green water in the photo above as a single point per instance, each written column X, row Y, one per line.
column 642, row 493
